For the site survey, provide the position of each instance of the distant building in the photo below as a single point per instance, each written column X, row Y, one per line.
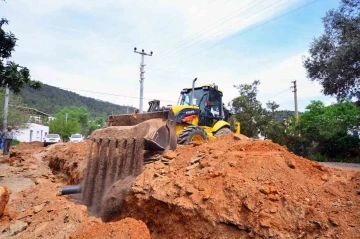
column 36, row 116
column 35, row 129
column 34, row 132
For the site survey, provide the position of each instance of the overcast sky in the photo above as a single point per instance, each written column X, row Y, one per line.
column 88, row 45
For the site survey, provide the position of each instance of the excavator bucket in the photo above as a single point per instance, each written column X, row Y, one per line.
column 117, row 155
column 158, row 129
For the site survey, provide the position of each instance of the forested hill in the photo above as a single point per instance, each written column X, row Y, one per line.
column 50, row 99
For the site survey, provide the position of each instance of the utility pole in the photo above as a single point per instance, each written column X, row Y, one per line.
column 6, row 106
column 295, row 100
column 142, row 71
column 66, row 116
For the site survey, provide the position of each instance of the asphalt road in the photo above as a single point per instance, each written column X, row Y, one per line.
column 348, row 166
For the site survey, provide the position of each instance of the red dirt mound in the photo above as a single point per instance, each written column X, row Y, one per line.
column 235, row 187
column 37, row 212
column 23, row 154
column 28, row 146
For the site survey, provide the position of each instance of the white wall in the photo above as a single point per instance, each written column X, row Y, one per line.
column 25, row 135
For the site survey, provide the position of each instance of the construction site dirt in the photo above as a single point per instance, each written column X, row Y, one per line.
column 230, row 187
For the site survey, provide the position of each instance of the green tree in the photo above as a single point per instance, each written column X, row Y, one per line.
column 65, row 128
column 77, row 114
column 248, row 109
column 96, row 124
column 330, row 130
column 80, row 114
column 335, row 56
column 11, row 74
column 272, row 106
column 272, row 128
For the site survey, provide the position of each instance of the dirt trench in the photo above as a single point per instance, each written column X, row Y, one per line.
column 36, row 210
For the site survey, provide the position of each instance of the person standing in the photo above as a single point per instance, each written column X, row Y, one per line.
column 9, row 135
column 1, row 140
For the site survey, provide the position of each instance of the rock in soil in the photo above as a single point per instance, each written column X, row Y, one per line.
column 169, row 154
column 17, row 227
column 4, row 198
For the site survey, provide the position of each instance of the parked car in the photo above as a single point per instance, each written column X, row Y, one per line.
column 52, row 139
column 76, row 138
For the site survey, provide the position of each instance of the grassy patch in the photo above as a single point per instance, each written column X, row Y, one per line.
column 15, row 142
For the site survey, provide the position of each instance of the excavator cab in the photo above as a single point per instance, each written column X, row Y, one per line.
column 209, row 101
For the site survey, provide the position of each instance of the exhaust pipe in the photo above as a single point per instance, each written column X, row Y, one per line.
column 70, row 189
column 192, row 92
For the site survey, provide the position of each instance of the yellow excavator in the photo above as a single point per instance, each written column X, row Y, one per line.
column 199, row 115
column 119, row 150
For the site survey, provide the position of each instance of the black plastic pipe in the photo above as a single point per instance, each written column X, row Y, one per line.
column 70, row 189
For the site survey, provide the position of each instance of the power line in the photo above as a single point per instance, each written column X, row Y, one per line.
column 102, row 93
column 239, row 34
column 214, row 23
column 276, row 94
column 203, row 9
column 134, row 97
column 205, row 39
column 161, row 75
column 166, row 72
column 236, row 35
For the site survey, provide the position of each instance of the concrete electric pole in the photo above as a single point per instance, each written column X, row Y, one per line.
column 142, row 71
column 6, row 107
column 295, row 100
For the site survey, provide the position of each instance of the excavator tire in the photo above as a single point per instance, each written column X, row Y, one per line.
column 192, row 134
column 222, row 132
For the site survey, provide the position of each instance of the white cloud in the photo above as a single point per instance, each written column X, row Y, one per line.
column 278, row 77
column 88, row 45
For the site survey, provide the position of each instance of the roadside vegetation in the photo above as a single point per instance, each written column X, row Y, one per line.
column 323, row 133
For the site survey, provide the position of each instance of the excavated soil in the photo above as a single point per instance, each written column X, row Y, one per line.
column 231, row 187
column 124, row 229
column 240, row 188
column 38, row 212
